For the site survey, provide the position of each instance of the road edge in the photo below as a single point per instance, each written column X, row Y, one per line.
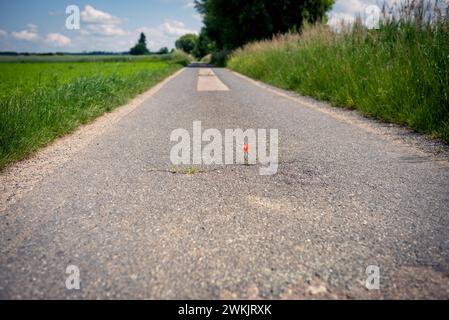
column 423, row 144
column 19, row 178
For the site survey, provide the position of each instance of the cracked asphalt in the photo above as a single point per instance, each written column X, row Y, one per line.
column 345, row 197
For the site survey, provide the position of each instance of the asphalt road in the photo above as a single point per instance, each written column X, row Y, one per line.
column 346, row 196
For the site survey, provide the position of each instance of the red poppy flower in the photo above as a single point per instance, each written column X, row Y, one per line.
column 245, row 148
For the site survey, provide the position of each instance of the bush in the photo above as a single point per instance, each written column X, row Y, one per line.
column 180, row 57
column 220, row 58
column 207, row 58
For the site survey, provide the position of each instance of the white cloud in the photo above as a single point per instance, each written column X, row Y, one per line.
column 108, row 30
column 27, row 35
column 101, row 23
column 354, row 8
column 114, row 38
column 57, row 40
column 32, row 27
column 102, row 31
column 346, row 11
column 197, row 17
column 175, row 28
column 3, row 33
column 351, row 7
column 189, row 4
column 94, row 16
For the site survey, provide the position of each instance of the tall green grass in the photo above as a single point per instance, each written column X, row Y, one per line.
column 42, row 101
column 398, row 73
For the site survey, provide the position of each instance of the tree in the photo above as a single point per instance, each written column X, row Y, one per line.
column 141, row 47
column 233, row 23
column 187, row 43
column 203, row 46
column 163, row 50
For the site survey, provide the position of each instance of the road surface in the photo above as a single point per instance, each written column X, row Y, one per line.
column 347, row 196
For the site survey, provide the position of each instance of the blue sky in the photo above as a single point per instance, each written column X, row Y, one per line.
column 110, row 25
column 30, row 25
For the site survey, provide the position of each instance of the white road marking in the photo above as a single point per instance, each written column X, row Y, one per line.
column 208, row 81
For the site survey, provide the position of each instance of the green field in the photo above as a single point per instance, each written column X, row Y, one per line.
column 398, row 73
column 83, row 58
column 40, row 101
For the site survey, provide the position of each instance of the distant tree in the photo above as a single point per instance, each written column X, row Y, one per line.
column 233, row 23
column 204, row 45
column 163, row 50
column 9, row 53
column 187, row 43
column 141, row 47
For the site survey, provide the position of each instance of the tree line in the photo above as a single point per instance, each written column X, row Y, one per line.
column 230, row 24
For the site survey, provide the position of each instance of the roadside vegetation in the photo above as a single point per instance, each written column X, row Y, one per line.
column 40, row 101
column 197, row 46
column 229, row 25
column 398, row 73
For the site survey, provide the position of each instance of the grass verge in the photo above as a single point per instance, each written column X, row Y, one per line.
column 398, row 73
column 42, row 101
